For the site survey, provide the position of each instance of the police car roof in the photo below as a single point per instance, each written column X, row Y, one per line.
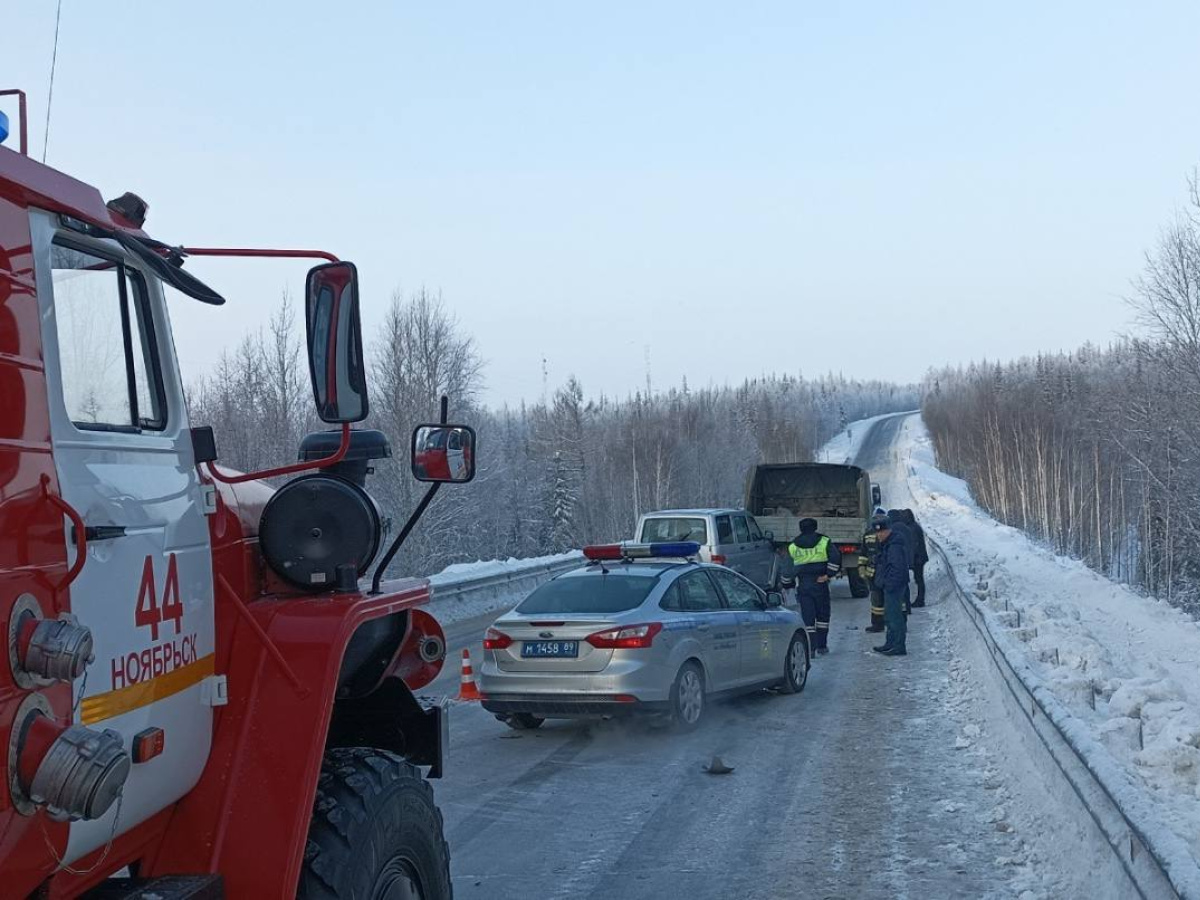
column 635, row 568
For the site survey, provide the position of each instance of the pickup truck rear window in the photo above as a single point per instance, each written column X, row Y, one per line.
column 674, row 528
column 599, row 593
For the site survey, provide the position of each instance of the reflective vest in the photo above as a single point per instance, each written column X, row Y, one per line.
column 803, row 556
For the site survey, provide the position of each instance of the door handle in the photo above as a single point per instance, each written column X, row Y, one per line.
column 98, row 533
column 703, row 626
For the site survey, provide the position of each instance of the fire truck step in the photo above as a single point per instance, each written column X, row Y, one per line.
column 165, row 887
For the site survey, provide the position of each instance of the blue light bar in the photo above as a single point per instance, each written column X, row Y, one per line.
column 681, row 549
column 3, row 127
column 663, row 550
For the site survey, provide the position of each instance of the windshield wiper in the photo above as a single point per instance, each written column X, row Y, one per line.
column 168, row 268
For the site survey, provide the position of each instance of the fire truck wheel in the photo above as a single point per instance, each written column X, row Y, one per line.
column 375, row 832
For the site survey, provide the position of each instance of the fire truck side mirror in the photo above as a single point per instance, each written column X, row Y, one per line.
column 443, row 453
column 335, row 354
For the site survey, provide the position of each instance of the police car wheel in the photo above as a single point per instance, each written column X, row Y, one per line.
column 687, row 697
column 795, row 666
column 523, row 721
column 375, row 832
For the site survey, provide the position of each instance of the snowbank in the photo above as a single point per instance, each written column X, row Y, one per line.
column 506, row 583
column 844, row 446
column 1123, row 667
column 487, row 568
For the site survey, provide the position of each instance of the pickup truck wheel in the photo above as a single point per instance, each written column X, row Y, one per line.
column 375, row 832
column 858, row 585
column 795, row 665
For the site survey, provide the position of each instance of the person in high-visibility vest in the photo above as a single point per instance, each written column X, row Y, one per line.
column 816, row 559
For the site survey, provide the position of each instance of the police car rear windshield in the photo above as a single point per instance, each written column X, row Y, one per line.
column 674, row 528
column 617, row 591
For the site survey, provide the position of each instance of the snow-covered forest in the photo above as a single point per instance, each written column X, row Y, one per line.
column 1097, row 451
column 553, row 474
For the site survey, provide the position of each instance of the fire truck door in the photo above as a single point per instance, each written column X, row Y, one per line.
column 123, row 453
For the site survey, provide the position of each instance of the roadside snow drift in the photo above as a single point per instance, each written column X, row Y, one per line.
column 1127, row 667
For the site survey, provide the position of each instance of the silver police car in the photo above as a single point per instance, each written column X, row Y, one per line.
column 639, row 628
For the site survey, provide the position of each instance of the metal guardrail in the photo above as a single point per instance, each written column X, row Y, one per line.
column 1140, row 856
column 514, row 577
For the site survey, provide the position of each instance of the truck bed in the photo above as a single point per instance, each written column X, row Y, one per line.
column 841, row 530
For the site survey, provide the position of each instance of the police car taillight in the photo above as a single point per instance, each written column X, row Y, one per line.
column 631, row 637
column 496, row 640
column 658, row 550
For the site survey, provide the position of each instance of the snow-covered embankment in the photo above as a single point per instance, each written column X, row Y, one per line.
column 1121, row 671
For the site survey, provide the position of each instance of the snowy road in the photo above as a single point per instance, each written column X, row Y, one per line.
column 885, row 778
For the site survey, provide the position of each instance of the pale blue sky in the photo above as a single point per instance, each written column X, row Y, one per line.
column 874, row 188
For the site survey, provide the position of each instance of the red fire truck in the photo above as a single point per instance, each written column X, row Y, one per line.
column 203, row 697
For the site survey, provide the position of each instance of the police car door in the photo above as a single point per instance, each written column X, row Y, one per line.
column 123, row 454
column 758, row 641
column 716, row 628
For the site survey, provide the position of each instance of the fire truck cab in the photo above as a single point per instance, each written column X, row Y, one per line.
column 202, row 695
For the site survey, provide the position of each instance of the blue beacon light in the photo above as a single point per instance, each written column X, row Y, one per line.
column 3, row 127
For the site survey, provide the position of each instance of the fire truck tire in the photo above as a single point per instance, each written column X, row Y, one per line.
column 858, row 585
column 375, row 832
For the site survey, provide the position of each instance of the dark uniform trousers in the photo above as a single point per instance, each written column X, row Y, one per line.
column 866, row 565
column 813, row 598
column 876, row 608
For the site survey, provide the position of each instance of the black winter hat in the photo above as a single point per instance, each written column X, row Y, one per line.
column 808, row 526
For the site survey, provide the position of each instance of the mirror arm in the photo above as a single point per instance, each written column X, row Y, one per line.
column 258, row 253
column 413, row 519
column 403, row 536
column 322, row 463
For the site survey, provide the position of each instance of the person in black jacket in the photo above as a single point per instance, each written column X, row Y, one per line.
column 815, row 560
column 891, row 577
column 895, row 519
column 920, row 555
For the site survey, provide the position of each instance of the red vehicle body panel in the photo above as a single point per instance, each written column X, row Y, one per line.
column 33, row 547
column 248, row 816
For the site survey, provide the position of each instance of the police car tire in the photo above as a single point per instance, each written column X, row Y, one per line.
column 523, row 721
column 369, row 799
column 678, row 722
column 858, row 585
column 790, row 684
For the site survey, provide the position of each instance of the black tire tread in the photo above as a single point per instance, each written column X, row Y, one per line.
column 354, row 781
column 786, row 687
column 673, row 716
column 859, row 586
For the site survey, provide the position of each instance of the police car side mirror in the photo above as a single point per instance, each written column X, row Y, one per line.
column 335, row 354
column 774, row 599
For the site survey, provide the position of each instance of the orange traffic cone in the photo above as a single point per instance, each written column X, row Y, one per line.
column 467, row 689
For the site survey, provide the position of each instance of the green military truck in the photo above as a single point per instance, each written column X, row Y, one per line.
column 841, row 499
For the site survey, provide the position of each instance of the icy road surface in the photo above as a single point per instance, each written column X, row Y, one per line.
column 886, row 778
